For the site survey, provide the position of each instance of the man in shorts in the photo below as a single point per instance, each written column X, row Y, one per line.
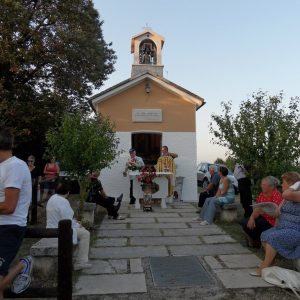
column 15, row 197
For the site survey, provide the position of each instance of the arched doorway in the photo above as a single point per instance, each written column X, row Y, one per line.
column 147, row 146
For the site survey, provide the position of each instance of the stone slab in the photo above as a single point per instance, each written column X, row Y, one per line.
column 106, row 267
column 113, row 226
column 212, row 262
column 197, row 225
column 127, row 252
column 110, row 242
column 129, row 220
column 119, row 265
column 165, row 240
column 218, row 239
column 141, row 220
column 208, row 249
column 128, row 233
column 45, row 247
column 193, row 231
column 183, row 204
column 174, row 220
column 177, row 210
column 110, row 284
column 240, row 260
column 154, row 215
column 136, row 265
column 239, row 279
column 190, row 214
column 158, row 225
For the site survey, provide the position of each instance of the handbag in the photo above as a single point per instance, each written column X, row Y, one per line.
column 283, row 278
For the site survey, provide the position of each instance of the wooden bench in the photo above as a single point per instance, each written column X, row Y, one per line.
column 228, row 212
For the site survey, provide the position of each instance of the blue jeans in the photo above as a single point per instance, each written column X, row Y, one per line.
column 208, row 210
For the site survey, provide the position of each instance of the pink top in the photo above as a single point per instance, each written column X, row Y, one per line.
column 51, row 171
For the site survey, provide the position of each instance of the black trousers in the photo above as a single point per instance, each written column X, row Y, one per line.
column 261, row 224
column 108, row 203
column 132, row 199
column 246, row 195
column 203, row 196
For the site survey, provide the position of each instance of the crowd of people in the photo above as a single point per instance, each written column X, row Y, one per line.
column 273, row 222
column 277, row 228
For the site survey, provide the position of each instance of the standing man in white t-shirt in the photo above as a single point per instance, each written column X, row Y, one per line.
column 15, row 197
column 134, row 162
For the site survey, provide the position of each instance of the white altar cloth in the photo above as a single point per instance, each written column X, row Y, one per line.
column 161, row 180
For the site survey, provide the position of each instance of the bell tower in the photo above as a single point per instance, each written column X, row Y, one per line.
column 147, row 51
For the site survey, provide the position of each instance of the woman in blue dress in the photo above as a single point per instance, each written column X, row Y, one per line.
column 224, row 195
column 284, row 238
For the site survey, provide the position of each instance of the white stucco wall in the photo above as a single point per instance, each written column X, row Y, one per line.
column 182, row 143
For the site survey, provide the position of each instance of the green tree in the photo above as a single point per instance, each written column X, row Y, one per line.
column 52, row 56
column 219, row 161
column 230, row 162
column 264, row 134
column 82, row 145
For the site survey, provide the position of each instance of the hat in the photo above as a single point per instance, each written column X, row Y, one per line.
column 131, row 150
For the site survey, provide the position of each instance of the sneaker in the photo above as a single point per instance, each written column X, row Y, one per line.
column 109, row 217
column 255, row 273
column 119, row 199
column 22, row 281
column 120, row 218
column 80, row 266
column 203, row 223
column 197, row 219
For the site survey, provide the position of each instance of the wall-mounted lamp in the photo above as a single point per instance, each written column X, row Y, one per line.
column 147, row 87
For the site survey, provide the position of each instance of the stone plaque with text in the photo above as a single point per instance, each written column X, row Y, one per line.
column 146, row 115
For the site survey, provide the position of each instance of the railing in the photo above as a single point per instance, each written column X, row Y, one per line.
column 63, row 291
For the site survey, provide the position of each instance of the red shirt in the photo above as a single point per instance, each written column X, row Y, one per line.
column 275, row 197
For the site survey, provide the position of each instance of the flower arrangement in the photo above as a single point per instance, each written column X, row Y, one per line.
column 132, row 166
column 147, row 175
column 146, row 178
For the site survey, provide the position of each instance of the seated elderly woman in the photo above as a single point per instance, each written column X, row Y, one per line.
column 224, row 195
column 284, row 238
column 260, row 221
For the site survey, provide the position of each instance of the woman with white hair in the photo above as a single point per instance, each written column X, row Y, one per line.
column 260, row 221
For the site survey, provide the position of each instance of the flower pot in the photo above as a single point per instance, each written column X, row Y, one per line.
column 150, row 188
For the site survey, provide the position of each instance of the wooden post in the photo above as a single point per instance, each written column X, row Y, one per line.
column 34, row 203
column 63, row 291
column 65, row 255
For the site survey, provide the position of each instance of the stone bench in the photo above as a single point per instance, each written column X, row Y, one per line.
column 88, row 212
column 228, row 212
column 44, row 254
column 45, row 261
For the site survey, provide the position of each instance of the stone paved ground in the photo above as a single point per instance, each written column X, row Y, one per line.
column 120, row 256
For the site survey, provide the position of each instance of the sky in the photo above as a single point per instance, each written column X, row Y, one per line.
column 220, row 50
